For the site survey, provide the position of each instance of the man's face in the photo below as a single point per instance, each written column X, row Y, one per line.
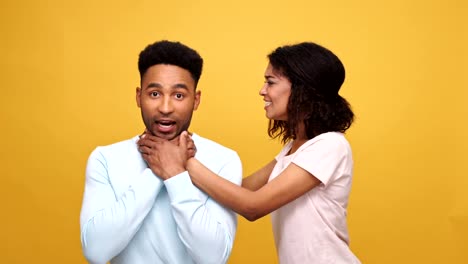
column 167, row 99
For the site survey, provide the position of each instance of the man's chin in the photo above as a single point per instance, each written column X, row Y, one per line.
column 167, row 136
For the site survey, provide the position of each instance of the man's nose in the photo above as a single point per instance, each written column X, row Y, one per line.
column 166, row 106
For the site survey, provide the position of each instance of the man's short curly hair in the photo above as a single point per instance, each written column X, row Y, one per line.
column 171, row 53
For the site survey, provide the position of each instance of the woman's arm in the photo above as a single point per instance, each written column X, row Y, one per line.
column 259, row 178
column 252, row 205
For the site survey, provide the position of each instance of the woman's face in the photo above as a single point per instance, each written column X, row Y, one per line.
column 276, row 92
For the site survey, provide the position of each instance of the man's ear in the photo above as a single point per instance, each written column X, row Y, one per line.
column 138, row 93
column 197, row 100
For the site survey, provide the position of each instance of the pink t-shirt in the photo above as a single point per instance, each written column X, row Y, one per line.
column 313, row 228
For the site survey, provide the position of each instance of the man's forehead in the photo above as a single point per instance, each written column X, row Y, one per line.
column 177, row 85
column 167, row 75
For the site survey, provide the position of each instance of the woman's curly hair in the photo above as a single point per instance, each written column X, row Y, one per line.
column 316, row 76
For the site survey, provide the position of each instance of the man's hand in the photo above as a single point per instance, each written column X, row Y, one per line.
column 166, row 158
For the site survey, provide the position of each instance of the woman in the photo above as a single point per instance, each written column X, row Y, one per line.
column 307, row 186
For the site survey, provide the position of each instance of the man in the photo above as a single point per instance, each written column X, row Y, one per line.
column 129, row 215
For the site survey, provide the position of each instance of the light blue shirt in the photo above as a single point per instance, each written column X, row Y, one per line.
column 129, row 215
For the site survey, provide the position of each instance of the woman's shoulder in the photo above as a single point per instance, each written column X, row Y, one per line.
column 332, row 140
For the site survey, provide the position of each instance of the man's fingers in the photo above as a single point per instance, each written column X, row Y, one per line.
column 144, row 149
column 149, row 137
column 148, row 142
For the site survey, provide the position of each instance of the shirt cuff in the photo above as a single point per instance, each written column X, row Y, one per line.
column 180, row 188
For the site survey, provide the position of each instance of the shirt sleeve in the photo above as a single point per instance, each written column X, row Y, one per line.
column 206, row 228
column 109, row 222
column 322, row 158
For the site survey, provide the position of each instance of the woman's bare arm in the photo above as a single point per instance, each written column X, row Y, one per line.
column 289, row 185
column 259, row 178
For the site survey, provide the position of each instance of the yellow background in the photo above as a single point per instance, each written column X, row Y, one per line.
column 68, row 77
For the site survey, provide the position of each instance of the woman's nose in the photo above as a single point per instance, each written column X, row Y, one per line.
column 262, row 91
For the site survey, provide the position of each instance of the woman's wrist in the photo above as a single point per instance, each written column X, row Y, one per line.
column 190, row 163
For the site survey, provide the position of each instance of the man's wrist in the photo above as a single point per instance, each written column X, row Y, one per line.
column 171, row 172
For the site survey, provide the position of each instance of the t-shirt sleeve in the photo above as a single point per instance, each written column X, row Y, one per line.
column 322, row 158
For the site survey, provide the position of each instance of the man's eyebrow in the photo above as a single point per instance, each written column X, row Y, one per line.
column 153, row 85
column 180, row 85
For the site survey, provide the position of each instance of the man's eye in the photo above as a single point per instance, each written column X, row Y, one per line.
column 179, row 96
column 154, row 94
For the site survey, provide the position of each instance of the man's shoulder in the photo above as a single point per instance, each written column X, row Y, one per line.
column 117, row 148
column 210, row 148
column 218, row 158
